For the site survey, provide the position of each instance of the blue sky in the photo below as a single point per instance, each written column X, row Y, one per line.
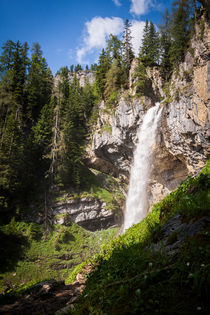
column 74, row 31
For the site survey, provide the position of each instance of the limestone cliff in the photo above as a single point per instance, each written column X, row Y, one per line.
column 82, row 75
column 89, row 213
column 183, row 141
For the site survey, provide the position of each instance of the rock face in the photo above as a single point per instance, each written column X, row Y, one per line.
column 82, row 75
column 89, row 213
column 115, row 136
column 183, row 141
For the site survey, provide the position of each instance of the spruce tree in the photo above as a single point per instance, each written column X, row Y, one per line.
column 13, row 64
column 150, row 49
column 114, row 49
column 113, row 80
column 165, row 42
column 127, row 51
column 22, row 162
column 39, row 87
column 144, row 49
column 70, row 145
column 7, row 57
column 102, row 69
column 180, row 30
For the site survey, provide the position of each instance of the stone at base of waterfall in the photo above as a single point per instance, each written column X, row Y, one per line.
column 89, row 213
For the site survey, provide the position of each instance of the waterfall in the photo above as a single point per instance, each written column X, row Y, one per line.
column 137, row 200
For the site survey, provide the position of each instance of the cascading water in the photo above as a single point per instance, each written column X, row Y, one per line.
column 137, row 201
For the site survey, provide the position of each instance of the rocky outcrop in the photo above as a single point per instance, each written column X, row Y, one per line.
column 90, row 213
column 183, row 141
column 182, row 144
column 175, row 232
column 83, row 76
column 115, row 135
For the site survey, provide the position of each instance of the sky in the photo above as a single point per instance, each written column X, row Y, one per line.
column 75, row 31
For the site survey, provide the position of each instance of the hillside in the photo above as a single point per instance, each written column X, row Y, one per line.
column 160, row 265
column 67, row 151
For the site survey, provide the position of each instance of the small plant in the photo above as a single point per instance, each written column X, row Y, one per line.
column 12, row 227
column 106, row 128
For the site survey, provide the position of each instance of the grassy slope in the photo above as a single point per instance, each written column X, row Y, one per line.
column 26, row 256
column 131, row 277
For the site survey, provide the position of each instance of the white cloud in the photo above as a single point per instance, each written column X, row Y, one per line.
column 117, row 2
column 137, row 28
column 140, row 7
column 96, row 33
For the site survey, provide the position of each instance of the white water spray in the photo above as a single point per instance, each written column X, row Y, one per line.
column 137, row 201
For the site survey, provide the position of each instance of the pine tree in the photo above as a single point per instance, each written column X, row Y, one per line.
column 127, row 51
column 13, row 64
column 165, row 42
column 150, row 49
column 22, row 162
column 180, row 30
column 72, row 141
column 102, row 69
column 141, row 76
column 154, row 53
column 63, row 87
column 7, row 56
column 93, row 67
column 144, row 49
column 114, row 48
column 39, row 87
column 78, row 68
column 88, row 99
column 113, row 80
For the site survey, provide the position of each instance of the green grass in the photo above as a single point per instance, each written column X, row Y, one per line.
column 134, row 276
column 26, row 256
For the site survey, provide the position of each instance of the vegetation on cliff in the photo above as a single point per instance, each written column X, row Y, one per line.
column 142, row 272
column 44, row 129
